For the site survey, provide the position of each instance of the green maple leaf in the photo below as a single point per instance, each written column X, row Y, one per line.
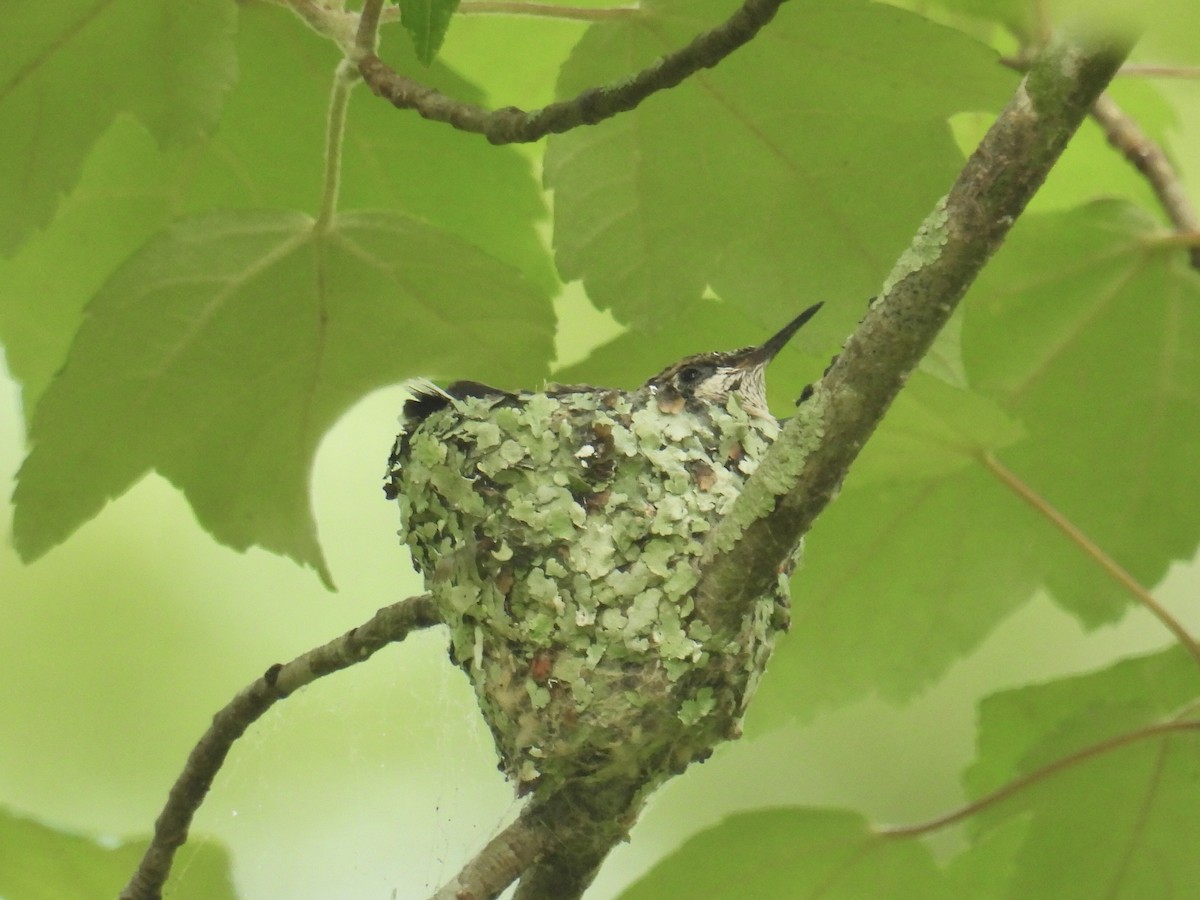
column 794, row 853
column 427, row 22
column 794, row 171
column 1115, row 823
column 265, row 154
column 223, row 351
column 38, row 862
column 1081, row 339
column 80, row 63
column 906, row 571
column 1086, row 329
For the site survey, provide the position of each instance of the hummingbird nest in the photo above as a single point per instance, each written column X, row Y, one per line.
column 560, row 534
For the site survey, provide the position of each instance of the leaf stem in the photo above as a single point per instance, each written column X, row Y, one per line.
column 1017, row 785
column 344, row 79
column 1089, row 547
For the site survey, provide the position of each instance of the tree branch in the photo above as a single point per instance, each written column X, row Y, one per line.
column 390, row 624
column 556, row 845
column 806, row 466
column 512, row 125
column 1148, row 158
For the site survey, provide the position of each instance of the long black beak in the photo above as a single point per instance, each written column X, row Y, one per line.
column 764, row 353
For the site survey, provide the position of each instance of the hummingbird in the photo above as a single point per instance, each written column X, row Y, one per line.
column 559, row 532
column 703, row 377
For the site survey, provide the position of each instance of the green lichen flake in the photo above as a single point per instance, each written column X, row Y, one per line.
column 559, row 534
column 925, row 248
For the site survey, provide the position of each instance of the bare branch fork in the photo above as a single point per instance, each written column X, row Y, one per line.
column 392, row 623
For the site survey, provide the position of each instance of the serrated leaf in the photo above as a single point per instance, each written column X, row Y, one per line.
column 1085, row 338
column 984, row 870
column 933, row 430
column 797, row 854
column 1088, row 333
column 899, row 580
column 69, row 68
column 774, row 176
column 38, row 862
column 130, row 189
column 1115, row 823
column 427, row 22
column 221, row 353
column 1025, row 728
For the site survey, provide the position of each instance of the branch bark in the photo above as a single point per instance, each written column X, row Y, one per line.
column 555, row 846
column 390, row 624
column 806, row 466
column 511, row 125
column 1145, row 155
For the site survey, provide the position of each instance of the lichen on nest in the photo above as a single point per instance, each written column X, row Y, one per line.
column 559, row 534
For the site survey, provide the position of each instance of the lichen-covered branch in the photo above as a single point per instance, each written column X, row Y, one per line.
column 556, row 845
column 390, row 624
column 512, row 125
column 806, row 466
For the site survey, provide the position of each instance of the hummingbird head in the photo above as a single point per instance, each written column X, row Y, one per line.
column 713, row 377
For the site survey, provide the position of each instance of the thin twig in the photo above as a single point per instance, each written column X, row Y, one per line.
column 549, row 10
column 512, row 125
column 1148, row 158
column 367, row 37
column 1073, row 533
column 1147, row 70
column 1028, row 780
column 390, row 624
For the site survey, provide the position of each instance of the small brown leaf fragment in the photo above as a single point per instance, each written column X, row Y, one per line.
column 670, row 402
column 540, row 666
column 602, row 439
column 504, row 580
column 597, row 501
column 703, row 475
column 736, row 452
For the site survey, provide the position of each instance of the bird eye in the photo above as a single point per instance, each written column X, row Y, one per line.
column 690, row 374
